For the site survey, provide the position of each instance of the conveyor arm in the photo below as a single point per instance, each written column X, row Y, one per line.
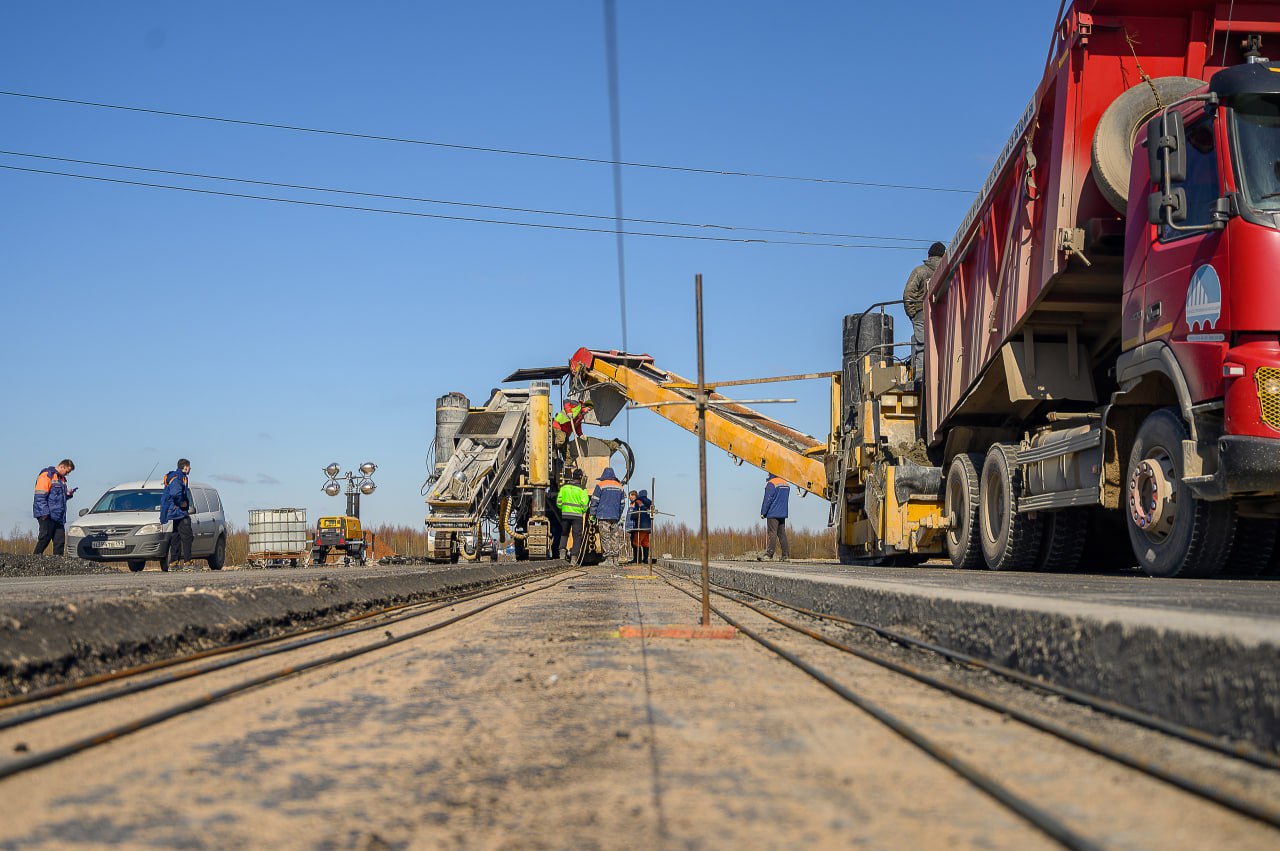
column 735, row 428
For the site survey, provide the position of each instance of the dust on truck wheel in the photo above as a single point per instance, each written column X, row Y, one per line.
column 1117, row 132
column 1172, row 532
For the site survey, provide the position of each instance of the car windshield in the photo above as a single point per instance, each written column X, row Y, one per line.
column 128, row 500
column 1257, row 121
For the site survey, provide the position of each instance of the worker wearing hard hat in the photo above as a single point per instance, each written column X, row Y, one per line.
column 913, row 303
column 773, row 511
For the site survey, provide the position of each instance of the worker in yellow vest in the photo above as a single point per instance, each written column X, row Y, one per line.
column 572, row 500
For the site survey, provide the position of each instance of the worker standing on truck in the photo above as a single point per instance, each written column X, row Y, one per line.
column 175, row 505
column 774, row 512
column 607, row 501
column 573, row 501
column 569, row 420
column 913, row 303
column 50, row 506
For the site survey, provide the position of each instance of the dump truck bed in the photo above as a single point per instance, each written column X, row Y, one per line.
column 1013, row 287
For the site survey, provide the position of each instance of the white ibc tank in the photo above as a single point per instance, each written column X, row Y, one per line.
column 278, row 530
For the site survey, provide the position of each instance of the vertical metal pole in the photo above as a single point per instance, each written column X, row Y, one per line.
column 653, row 514
column 702, row 462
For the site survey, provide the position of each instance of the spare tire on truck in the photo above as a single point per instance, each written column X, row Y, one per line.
column 1117, row 133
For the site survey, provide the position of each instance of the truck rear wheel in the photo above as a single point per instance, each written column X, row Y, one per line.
column 1066, row 532
column 960, row 507
column 1010, row 541
column 1117, row 131
column 1172, row 532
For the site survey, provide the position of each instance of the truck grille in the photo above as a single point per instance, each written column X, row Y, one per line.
column 1268, row 380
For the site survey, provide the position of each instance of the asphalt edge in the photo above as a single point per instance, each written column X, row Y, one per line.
column 60, row 641
column 1214, row 683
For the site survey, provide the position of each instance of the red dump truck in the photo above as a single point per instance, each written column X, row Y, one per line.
column 1103, row 335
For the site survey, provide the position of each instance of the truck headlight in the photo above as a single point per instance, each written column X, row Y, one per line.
column 150, row 529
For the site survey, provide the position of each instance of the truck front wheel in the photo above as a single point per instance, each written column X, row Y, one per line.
column 1172, row 532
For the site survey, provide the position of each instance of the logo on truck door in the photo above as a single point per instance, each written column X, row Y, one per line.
column 1204, row 298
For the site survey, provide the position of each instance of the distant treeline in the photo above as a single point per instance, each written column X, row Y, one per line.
column 675, row 538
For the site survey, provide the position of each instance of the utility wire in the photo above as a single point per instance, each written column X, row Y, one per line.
column 421, row 200
column 457, row 218
column 615, row 135
column 512, row 152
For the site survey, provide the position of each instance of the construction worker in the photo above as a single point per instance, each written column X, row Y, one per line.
column 639, row 522
column 774, row 512
column 573, row 502
column 569, row 420
column 175, row 505
column 913, row 303
column 50, row 506
column 607, row 502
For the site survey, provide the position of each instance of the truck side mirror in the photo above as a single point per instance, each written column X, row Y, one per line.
column 1175, row 202
column 1167, row 148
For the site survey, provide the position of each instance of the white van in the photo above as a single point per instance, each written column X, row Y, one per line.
column 124, row 525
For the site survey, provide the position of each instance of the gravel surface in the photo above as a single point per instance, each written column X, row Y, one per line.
column 29, row 565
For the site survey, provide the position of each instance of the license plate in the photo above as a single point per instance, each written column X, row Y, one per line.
column 108, row 545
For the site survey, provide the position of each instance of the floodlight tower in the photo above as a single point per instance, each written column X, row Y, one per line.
column 357, row 483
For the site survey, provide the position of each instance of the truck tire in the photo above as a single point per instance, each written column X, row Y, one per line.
column 1172, row 532
column 1117, row 132
column 1066, row 532
column 1254, row 550
column 1010, row 541
column 960, row 507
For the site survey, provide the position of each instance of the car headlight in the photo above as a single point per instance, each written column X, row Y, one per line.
column 150, row 529
column 75, row 532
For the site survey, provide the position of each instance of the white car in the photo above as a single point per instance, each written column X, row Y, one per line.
column 124, row 525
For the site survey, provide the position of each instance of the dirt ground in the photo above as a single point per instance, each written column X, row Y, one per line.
column 534, row 726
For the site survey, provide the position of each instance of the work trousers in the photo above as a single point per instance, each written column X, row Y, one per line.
column 51, row 530
column 778, row 534
column 917, row 345
column 611, row 539
column 180, row 540
column 572, row 524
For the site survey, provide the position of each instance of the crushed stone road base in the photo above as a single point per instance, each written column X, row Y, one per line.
column 1211, row 669
column 57, row 629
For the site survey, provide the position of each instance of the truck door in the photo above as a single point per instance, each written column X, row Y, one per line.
column 1185, row 270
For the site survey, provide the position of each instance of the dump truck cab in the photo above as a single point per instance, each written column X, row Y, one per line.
column 1201, row 320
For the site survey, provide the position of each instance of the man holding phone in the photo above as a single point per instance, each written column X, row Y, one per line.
column 50, row 506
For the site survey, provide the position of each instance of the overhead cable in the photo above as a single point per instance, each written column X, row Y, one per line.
column 538, row 225
column 478, row 148
column 422, row 200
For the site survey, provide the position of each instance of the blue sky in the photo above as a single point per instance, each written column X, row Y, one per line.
column 263, row 340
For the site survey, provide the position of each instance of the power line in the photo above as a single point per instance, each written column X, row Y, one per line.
column 422, row 200
column 456, row 218
column 615, row 136
column 509, row 151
